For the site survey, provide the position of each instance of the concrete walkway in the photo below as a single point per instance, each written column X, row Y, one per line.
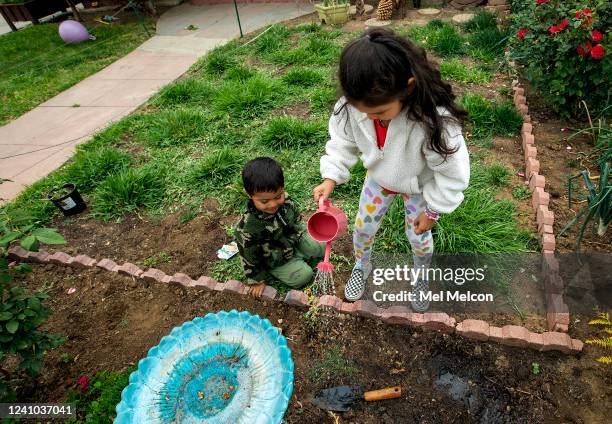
column 41, row 140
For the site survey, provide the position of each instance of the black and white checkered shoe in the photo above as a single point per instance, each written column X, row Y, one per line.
column 420, row 288
column 355, row 286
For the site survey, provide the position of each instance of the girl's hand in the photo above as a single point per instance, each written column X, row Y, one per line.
column 422, row 224
column 324, row 189
column 257, row 290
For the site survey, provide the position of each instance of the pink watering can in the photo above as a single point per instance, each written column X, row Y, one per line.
column 325, row 225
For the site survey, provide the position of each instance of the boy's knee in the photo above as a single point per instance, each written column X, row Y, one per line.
column 300, row 276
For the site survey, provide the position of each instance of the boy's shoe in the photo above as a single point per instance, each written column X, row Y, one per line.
column 420, row 304
column 355, row 286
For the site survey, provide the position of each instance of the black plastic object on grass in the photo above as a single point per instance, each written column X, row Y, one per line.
column 67, row 199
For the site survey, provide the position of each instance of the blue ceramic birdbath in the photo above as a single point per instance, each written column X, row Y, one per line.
column 224, row 368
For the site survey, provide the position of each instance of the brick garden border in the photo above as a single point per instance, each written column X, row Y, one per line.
column 509, row 335
column 557, row 312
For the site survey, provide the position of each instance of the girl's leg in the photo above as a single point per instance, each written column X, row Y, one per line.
column 373, row 204
column 422, row 248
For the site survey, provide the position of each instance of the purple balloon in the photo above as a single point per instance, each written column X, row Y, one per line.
column 73, row 32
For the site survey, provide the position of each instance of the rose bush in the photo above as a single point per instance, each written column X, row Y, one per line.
column 563, row 49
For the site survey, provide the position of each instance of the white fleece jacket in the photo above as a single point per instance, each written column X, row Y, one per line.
column 405, row 164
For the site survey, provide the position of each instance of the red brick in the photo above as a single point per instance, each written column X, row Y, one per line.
column 108, row 265
column 556, row 304
column 348, row 307
column 527, row 118
column 439, row 321
column 539, row 197
column 550, row 263
column 532, row 166
column 519, row 100
column 523, row 109
column 328, row 301
column 560, row 328
column 519, row 90
column 40, row 257
column 527, row 128
column 544, row 216
column 83, row 261
column 269, row 293
column 297, row 298
column 577, row 345
column 536, row 341
column 527, row 139
column 530, row 152
column 548, row 242
column 535, row 181
column 557, row 341
column 130, row 270
column 367, row 308
column 204, row 283
column 60, row 258
column 181, row 280
column 495, row 334
column 545, row 229
column 235, row 286
column 396, row 315
column 553, row 283
column 417, row 319
column 473, row 329
column 514, row 335
column 219, row 286
column 155, row 275
column 18, row 253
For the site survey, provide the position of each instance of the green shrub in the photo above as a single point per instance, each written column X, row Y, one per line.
column 172, row 127
column 129, row 190
column 556, row 56
column 216, row 169
column 291, row 132
column 252, row 98
column 455, row 70
column 482, row 20
column 190, row 91
column 89, row 167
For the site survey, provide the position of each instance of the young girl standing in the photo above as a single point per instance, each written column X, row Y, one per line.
column 399, row 118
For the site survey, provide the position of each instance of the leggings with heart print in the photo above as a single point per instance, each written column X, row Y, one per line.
column 373, row 204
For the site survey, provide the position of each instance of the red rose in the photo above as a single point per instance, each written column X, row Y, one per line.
column 564, row 24
column 580, row 50
column 588, row 45
column 597, row 36
column 598, row 52
column 521, row 33
column 540, row 2
column 579, row 15
column 83, row 381
column 587, row 11
column 553, row 29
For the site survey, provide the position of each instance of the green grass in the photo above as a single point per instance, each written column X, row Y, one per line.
column 487, row 118
column 333, row 366
column 253, row 98
column 172, row 127
column 216, row 169
column 186, row 92
column 231, row 269
column 521, row 192
column 89, row 167
column 482, row 20
column 35, row 64
column 292, row 132
column 495, row 176
column 303, row 77
column 488, row 44
column 455, row 70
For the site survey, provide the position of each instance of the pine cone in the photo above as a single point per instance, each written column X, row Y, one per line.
column 385, row 10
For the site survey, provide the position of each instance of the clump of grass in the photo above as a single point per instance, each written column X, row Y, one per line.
column 217, row 169
column 302, row 77
column 521, row 192
column 190, row 91
column 482, row 20
column 497, row 175
column 489, row 43
column 89, row 167
column 239, row 73
column 291, row 132
column 322, row 99
column 455, row 70
column 172, row 127
column 273, row 40
column 129, row 190
column 308, row 28
column 436, row 24
column 314, row 49
column 488, row 118
column 334, row 366
column 446, row 41
column 219, row 60
column 252, row 98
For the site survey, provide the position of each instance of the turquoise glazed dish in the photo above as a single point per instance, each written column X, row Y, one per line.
column 224, row 368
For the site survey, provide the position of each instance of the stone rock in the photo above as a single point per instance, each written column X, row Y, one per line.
column 462, row 18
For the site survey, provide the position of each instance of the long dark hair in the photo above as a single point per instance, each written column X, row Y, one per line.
column 375, row 68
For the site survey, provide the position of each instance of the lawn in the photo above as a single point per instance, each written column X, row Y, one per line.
column 35, row 64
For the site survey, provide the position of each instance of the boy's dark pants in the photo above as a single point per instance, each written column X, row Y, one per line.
column 296, row 272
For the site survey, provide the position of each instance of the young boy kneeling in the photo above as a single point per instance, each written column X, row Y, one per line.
column 271, row 236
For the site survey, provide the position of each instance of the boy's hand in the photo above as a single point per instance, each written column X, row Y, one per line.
column 422, row 224
column 257, row 290
column 324, row 189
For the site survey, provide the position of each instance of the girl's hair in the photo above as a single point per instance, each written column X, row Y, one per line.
column 375, row 68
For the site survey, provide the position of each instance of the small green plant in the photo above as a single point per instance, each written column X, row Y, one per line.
column 66, row 358
column 240, row 74
column 333, row 367
column 489, row 43
column 271, row 40
column 96, row 404
column 89, row 167
column 172, row 127
column 497, row 175
column 231, row 269
column 291, row 132
column 152, row 261
column 22, row 313
column 217, row 168
column 482, row 20
column 253, row 98
column 455, row 70
column 447, row 41
column 535, row 368
column 487, row 118
column 302, row 77
column 220, row 60
column 606, row 342
column 189, row 214
column 189, row 91
column 521, row 192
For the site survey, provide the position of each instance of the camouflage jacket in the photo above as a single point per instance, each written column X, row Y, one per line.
column 267, row 241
